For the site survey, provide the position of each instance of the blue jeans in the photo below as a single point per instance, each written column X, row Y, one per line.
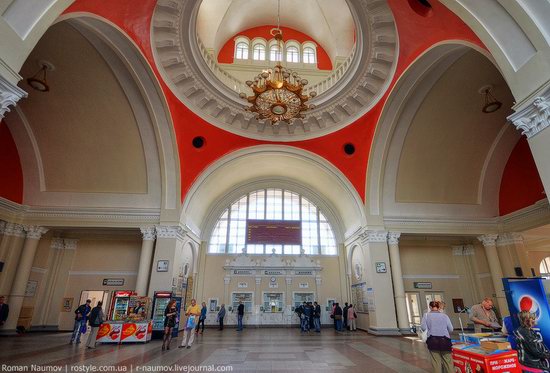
column 239, row 322
column 339, row 325
column 304, row 323
column 76, row 330
column 317, row 323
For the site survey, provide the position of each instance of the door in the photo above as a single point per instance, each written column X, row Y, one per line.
column 413, row 308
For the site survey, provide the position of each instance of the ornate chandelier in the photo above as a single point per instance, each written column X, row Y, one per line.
column 278, row 92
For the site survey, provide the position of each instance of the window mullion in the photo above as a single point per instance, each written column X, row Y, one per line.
column 228, row 230
column 318, row 232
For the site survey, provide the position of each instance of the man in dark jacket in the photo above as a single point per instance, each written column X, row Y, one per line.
column 317, row 317
column 221, row 315
column 240, row 315
column 345, row 315
column 81, row 315
column 96, row 319
column 4, row 310
column 308, row 315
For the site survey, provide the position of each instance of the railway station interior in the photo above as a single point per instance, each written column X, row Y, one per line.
column 404, row 158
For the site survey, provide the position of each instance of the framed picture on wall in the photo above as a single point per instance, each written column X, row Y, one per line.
column 162, row 265
column 67, row 305
column 213, row 304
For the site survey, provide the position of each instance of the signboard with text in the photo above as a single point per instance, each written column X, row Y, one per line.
column 276, row 232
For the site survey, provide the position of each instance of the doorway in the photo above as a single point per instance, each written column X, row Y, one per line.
column 95, row 296
column 413, row 308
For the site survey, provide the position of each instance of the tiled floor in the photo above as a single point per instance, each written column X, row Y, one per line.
column 253, row 350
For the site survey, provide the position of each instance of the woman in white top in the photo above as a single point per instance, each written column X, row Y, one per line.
column 438, row 325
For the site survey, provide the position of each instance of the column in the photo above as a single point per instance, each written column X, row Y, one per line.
column 10, row 94
column 10, row 251
column 462, row 257
column 34, row 233
column 169, row 239
column 379, row 282
column 532, row 117
column 489, row 243
column 145, row 258
column 397, row 278
column 513, row 242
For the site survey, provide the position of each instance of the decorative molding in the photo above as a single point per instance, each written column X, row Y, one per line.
column 377, row 236
column 34, row 232
column 461, row 250
column 170, row 231
column 288, row 280
column 2, row 226
column 226, row 280
column 506, row 239
column 102, row 273
column 13, row 229
column 483, row 275
column 9, row 96
column 70, row 243
column 393, row 238
column 180, row 61
column 450, row 277
column 57, row 243
column 258, row 280
column 39, row 270
column 488, row 239
column 533, row 118
column 318, row 280
column 148, row 233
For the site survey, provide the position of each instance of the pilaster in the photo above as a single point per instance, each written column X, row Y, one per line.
column 489, row 243
column 10, row 252
column 10, row 94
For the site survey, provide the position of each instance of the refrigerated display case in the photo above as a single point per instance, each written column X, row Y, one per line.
column 119, row 305
column 160, row 301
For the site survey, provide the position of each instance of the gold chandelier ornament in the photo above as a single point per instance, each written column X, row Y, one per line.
column 277, row 93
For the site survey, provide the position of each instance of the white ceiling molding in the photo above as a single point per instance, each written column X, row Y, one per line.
column 124, row 217
column 180, row 62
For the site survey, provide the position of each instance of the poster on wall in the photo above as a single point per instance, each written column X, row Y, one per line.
column 67, row 305
column 358, row 297
column 30, row 291
column 369, row 294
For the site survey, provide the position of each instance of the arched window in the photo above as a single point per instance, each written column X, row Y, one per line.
column 241, row 51
column 544, row 268
column 275, row 53
column 292, row 54
column 258, row 52
column 309, row 55
column 283, row 208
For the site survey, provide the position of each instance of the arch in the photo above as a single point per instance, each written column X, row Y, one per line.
column 401, row 107
column 242, row 48
column 293, row 48
column 544, row 267
column 309, row 52
column 259, row 49
column 273, row 166
column 152, row 115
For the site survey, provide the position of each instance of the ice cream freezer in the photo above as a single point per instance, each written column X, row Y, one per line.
column 125, row 332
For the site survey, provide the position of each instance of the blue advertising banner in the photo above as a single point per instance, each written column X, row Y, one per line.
column 529, row 295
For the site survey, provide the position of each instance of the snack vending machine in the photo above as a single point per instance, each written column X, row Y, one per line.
column 119, row 305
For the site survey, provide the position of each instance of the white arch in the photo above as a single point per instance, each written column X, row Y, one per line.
column 152, row 115
column 406, row 97
column 264, row 165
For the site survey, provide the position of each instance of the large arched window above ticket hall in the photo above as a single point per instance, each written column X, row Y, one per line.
column 273, row 221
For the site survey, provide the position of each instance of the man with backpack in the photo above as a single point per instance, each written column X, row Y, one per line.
column 96, row 319
column 81, row 315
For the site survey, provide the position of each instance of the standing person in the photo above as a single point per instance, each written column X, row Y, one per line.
column 81, row 315
column 308, row 315
column 332, row 315
column 352, row 316
column 338, row 317
column 170, row 320
column 240, row 315
column 221, row 315
column 439, row 343
column 345, row 315
column 311, row 322
column 4, row 310
column 442, row 306
column 96, row 319
column 299, row 311
column 484, row 316
column 202, row 317
column 317, row 317
column 192, row 313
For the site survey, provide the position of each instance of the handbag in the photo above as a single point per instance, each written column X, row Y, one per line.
column 338, row 317
column 191, row 322
column 83, row 328
column 332, row 316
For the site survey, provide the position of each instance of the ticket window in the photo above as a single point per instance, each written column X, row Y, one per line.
column 95, row 296
column 414, row 308
column 273, row 302
column 245, row 298
column 300, row 298
column 433, row 296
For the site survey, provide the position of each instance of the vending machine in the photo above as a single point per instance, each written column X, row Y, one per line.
column 160, row 301
column 119, row 305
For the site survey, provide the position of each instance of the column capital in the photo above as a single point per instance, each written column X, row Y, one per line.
column 2, row 226
column 393, row 238
column 70, row 243
column 9, row 95
column 488, row 239
column 509, row 239
column 13, row 229
column 57, row 243
column 226, row 280
column 35, row 232
column 369, row 235
column 148, row 233
column 535, row 117
column 170, row 231
column 461, row 250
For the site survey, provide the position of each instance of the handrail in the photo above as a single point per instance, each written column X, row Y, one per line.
column 238, row 86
